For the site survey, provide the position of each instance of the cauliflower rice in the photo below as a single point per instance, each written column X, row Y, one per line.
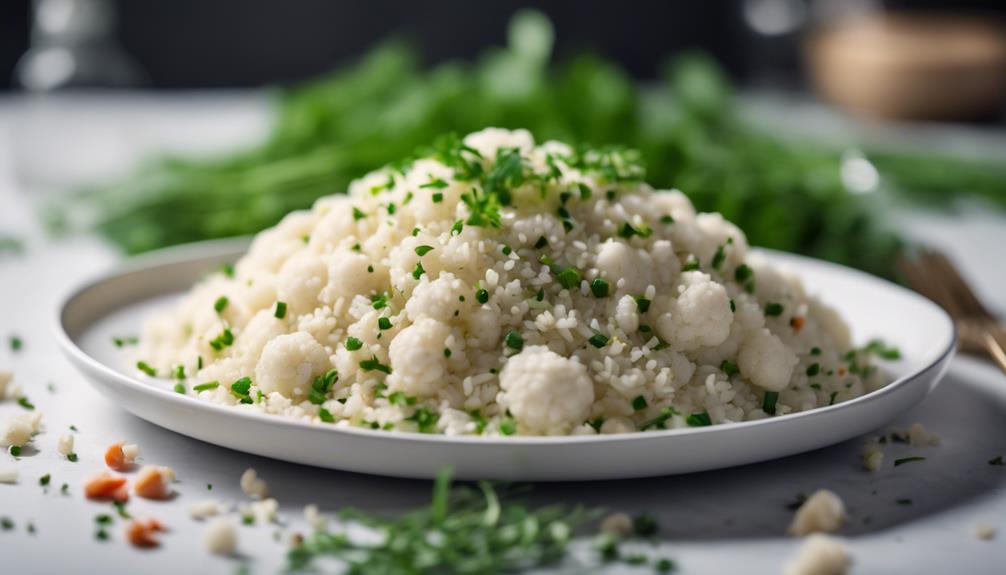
column 497, row 287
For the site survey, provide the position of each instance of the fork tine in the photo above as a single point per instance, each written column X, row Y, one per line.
column 928, row 281
column 965, row 298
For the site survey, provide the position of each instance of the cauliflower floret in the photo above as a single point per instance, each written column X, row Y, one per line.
column 221, row 537
column 438, row 299
column 300, row 281
column 263, row 328
column 334, row 227
column 490, row 140
column 766, row 361
column 629, row 270
column 701, row 315
column 289, row 363
column 417, row 357
column 348, row 275
column 484, row 326
column 822, row 512
column 627, row 314
column 819, row 555
column 545, row 392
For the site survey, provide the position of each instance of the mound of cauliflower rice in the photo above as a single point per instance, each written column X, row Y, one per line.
column 499, row 287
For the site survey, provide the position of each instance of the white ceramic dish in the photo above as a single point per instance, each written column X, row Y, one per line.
column 115, row 304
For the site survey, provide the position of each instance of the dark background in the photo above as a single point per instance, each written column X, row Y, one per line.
column 233, row 43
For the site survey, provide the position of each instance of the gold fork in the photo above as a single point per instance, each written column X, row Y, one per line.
column 931, row 274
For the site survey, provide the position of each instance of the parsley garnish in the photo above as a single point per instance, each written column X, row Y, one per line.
column 23, row 402
column 691, row 265
column 514, row 340
column 813, row 369
column 240, row 389
column 661, row 420
column 124, row 341
column 436, row 183
column 569, row 278
column 728, row 367
column 481, row 295
column 599, row 287
column 145, row 368
column 598, row 340
column 699, row 419
column 321, row 385
column 353, row 344
column 425, row 419
column 373, row 364
column 639, row 403
column 768, row 402
column 418, row 271
column 206, row 386
column 542, row 242
column 718, row 258
column 773, row 309
column 357, row 214
column 423, row 250
column 225, row 339
column 221, row 304
column 642, row 304
column 325, row 415
column 280, row 312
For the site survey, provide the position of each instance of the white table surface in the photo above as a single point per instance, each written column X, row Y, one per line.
column 728, row 521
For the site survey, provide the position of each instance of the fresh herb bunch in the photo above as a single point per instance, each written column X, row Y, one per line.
column 464, row 530
column 784, row 195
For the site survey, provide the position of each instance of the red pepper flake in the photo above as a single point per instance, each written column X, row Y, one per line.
column 796, row 322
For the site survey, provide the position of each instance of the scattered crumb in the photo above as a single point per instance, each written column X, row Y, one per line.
column 20, row 428
column 872, row 455
column 260, row 511
column 918, row 436
column 8, row 476
column 619, row 524
column 819, row 555
column 253, row 486
column 220, row 536
column 823, row 512
column 204, row 509
column 65, row 444
column 153, row 482
column 141, row 533
column 985, row 531
column 314, row 517
column 5, row 379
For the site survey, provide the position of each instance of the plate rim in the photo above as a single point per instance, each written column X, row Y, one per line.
column 236, row 246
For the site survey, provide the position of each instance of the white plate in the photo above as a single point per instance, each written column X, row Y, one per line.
column 114, row 305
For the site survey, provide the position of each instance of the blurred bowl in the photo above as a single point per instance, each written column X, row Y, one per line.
column 915, row 66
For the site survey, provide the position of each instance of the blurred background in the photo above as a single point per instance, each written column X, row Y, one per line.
column 812, row 123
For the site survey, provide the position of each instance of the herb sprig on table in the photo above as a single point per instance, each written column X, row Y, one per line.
column 785, row 195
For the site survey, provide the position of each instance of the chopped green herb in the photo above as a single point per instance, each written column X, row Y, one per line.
column 508, row 425
column 457, row 227
column 227, row 270
column 391, row 208
column 415, row 232
column 321, row 385
column 514, row 340
column 358, row 214
column 599, row 287
column 423, row 250
column 691, row 265
column 206, row 386
column 882, row 350
column 665, row 565
column 383, row 323
column 733, row 307
column 14, row 450
column 44, row 480
column 180, row 372
column 145, row 368
column 816, row 386
column 699, row 419
column 418, row 271
column 438, row 197
column 997, row 460
column 120, row 508
column 241, row 389
column 639, row 403
column 64, row 489
column 831, row 398
column 16, row 343
column 399, row 398
column 540, row 296
column 425, row 419
column 126, row 340
column 598, row 340
column 179, row 388
column 353, row 344
column 718, row 258
column 905, row 460
column 221, row 304
column 542, row 242
column 379, row 301
column 325, row 415
column 6, row 523
column 225, row 339
column 645, row 525
column 661, row 420
column 280, row 312
column 768, row 402
column 743, row 273
column 596, row 423
column 585, row 192
column 436, row 183
column 373, row 364
column 904, row 501
column 447, row 352
column 813, row 369
column 481, row 295
column 728, row 367
column 667, row 219
column 23, row 402
column 773, row 309
column 642, row 304
column 627, row 231
column 569, row 278
column 815, row 351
